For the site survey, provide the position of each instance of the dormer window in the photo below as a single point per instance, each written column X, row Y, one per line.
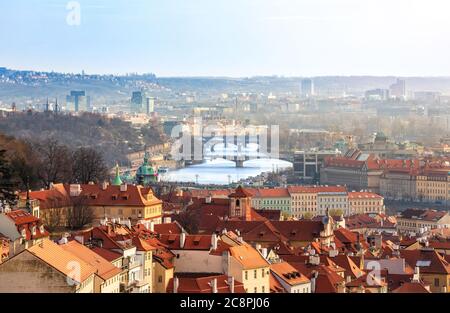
column 33, row 230
column 24, row 233
column 42, row 229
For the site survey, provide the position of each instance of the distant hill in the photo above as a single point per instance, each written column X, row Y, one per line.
column 113, row 137
column 21, row 86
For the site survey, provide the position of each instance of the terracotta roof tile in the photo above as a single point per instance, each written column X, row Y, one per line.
column 60, row 259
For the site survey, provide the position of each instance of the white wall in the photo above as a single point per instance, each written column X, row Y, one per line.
column 197, row 261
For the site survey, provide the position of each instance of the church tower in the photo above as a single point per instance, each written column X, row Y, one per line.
column 240, row 204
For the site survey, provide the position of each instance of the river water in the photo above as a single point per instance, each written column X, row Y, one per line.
column 221, row 172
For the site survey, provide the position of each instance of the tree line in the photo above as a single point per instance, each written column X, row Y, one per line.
column 34, row 165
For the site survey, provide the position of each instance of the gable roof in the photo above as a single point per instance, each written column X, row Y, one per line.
column 61, row 260
column 287, row 273
column 427, row 259
column 248, row 256
column 26, row 221
column 240, row 192
column 103, row 267
column 411, row 287
column 202, row 284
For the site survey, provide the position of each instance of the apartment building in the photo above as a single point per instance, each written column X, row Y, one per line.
column 418, row 221
column 132, row 202
column 315, row 200
column 46, row 267
column 365, row 203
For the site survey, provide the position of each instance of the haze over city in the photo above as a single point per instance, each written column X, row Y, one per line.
column 236, row 38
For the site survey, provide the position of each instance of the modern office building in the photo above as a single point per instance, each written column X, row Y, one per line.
column 77, row 101
column 377, row 94
column 150, row 105
column 307, row 88
column 137, row 102
column 398, row 89
column 307, row 164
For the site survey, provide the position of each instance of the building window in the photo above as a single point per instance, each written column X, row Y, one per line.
column 159, row 279
column 255, row 274
column 256, row 289
column 436, row 282
column 246, row 275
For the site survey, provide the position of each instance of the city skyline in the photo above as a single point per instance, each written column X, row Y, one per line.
column 238, row 39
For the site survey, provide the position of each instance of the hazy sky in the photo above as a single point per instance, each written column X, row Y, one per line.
column 229, row 37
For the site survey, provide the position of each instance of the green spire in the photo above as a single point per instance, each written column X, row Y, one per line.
column 117, row 181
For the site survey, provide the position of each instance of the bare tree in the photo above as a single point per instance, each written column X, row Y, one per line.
column 55, row 164
column 88, row 166
column 189, row 220
column 80, row 213
column 53, row 218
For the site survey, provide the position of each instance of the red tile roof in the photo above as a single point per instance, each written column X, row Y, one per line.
column 109, row 255
column 316, row 189
column 170, row 228
column 192, row 242
column 203, row 284
column 287, row 273
column 59, row 196
column 411, row 288
column 103, row 267
column 363, row 195
column 302, row 230
column 429, row 261
column 26, row 221
column 240, row 192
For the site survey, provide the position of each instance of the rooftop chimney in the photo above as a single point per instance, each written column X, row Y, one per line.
column 176, row 284
column 105, row 185
column 416, row 276
column 182, row 239
column 75, row 190
column 167, row 220
column 214, row 285
column 152, row 226
column 231, row 283
column 123, row 187
column 264, row 252
column 314, row 276
column 208, row 199
column 314, row 259
column 214, row 242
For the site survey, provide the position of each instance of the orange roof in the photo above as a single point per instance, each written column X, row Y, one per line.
column 363, row 195
column 203, row 284
column 107, row 254
column 62, row 260
column 103, row 267
column 412, row 287
column 170, row 228
column 248, row 256
column 429, row 261
column 288, row 274
column 240, row 193
column 26, row 221
column 272, row 193
column 133, row 196
column 192, row 242
column 316, row 189
column 59, row 196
